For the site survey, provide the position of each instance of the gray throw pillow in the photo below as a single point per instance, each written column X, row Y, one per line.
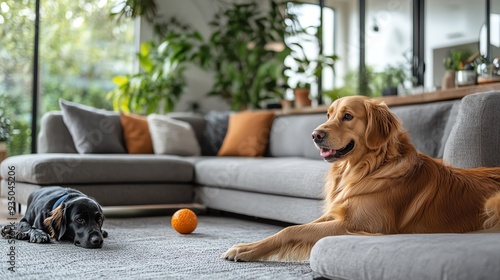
column 172, row 137
column 94, row 131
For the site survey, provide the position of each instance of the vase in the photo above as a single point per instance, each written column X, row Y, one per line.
column 448, row 80
column 302, row 97
column 286, row 104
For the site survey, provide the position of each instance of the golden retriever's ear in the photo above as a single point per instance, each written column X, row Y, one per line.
column 56, row 222
column 382, row 124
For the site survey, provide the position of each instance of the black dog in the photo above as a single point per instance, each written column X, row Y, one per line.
column 63, row 214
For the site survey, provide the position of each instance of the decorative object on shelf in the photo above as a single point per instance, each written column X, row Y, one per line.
column 448, row 79
column 465, row 78
column 455, row 61
column 488, row 73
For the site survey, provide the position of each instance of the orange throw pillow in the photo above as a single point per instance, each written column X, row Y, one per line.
column 247, row 134
column 136, row 134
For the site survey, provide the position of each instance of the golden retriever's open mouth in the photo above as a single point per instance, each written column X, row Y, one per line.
column 329, row 154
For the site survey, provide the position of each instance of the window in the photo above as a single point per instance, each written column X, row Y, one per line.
column 80, row 49
column 313, row 19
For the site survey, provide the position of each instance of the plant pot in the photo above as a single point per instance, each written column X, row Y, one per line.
column 448, row 80
column 390, row 91
column 465, row 78
column 286, row 104
column 302, row 97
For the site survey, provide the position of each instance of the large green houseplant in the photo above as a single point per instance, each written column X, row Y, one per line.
column 248, row 70
column 159, row 84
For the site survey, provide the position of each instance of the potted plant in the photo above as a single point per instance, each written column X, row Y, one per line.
column 300, row 66
column 391, row 78
column 307, row 72
column 454, row 62
column 161, row 81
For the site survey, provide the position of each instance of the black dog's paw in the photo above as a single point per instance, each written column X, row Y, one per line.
column 104, row 234
column 8, row 232
column 39, row 236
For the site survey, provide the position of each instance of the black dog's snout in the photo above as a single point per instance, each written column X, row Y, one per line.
column 318, row 136
column 96, row 241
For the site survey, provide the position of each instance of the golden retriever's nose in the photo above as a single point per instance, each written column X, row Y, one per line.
column 318, row 136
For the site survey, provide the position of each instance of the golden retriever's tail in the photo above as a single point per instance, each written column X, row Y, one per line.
column 492, row 211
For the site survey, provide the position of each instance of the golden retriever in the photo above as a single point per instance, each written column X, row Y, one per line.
column 379, row 184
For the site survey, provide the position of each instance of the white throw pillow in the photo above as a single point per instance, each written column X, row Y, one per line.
column 172, row 137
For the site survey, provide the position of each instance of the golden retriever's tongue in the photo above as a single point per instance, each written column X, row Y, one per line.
column 326, row 152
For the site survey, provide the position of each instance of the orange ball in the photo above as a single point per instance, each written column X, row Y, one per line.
column 184, row 221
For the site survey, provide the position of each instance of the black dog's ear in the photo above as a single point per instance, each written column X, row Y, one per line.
column 56, row 222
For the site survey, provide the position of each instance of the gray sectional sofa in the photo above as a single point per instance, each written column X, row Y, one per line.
column 286, row 185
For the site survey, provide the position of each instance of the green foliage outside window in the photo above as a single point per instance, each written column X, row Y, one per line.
column 80, row 50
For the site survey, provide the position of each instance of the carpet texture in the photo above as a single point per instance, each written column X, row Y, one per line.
column 148, row 248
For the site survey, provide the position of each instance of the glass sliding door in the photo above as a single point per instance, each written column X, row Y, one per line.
column 388, row 46
column 17, row 29
column 81, row 48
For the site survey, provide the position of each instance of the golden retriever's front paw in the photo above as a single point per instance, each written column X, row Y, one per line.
column 239, row 252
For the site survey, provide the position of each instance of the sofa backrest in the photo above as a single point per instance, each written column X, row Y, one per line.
column 474, row 140
column 291, row 136
column 54, row 136
column 428, row 124
column 465, row 133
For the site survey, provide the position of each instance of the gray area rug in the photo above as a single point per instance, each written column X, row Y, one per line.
column 148, row 248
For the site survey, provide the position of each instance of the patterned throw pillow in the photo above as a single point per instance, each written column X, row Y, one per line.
column 214, row 132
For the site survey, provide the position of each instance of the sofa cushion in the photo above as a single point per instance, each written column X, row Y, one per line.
column 291, row 136
column 215, row 131
column 247, row 134
column 172, row 137
column 475, row 139
column 197, row 122
column 94, row 131
column 45, row 169
column 136, row 133
column 288, row 176
column 426, row 124
column 408, row 256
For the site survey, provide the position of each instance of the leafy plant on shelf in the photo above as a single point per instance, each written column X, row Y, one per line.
column 456, row 59
column 161, row 80
column 307, row 70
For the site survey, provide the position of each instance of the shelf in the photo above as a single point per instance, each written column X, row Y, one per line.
column 441, row 95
